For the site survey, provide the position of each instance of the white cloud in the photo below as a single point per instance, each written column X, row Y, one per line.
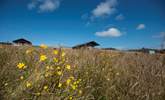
column 49, row 5
column 111, row 32
column 141, row 26
column 119, row 17
column 44, row 5
column 105, row 8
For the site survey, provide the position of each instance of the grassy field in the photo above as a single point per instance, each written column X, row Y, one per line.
column 28, row 73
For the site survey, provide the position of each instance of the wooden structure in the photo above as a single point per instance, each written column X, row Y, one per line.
column 89, row 45
column 21, row 41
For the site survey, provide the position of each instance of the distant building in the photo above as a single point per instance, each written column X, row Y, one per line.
column 2, row 44
column 148, row 50
column 5, row 43
column 151, row 51
column 89, row 45
column 109, row 49
column 21, row 41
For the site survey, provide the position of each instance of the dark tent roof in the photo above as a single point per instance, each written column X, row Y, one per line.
column 91, row 43
column 23, row 41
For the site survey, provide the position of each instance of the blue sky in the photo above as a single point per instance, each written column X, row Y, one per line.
column 112, row 23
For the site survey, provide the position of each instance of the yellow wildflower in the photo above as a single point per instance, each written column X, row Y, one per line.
column 63, row 59
column 68, row 81
column 80, row 91
column 49, row 68
column 63, row 54
column 58, row 68
column 43, row 57
column 28, row 84
column 45, row 87
column 70, row 98
column 59, row 73
column 55, row 60
column 43, row 46
column 21, row 66
column 55, row 52
column 59, row 85
column 75, row 83
column 79, row 80
column 21, row 77
column 73, row 87
column 38, row 93
column 68, row 67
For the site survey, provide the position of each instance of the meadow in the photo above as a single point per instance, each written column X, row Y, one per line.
column 41, row 73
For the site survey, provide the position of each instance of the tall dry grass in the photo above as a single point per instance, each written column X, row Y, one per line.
column 105, row 75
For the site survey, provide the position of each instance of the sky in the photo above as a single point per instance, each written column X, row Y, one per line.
column 122, row 24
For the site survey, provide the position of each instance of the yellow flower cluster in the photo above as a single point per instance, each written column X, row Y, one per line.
column 21, row 66
column 43, row 58
column 59, row 73
column 68, row 67
column 49, row 68
column 55, row 52
column 73, row 84
column 55, row 60
column 68, row 81
column 56, row 68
